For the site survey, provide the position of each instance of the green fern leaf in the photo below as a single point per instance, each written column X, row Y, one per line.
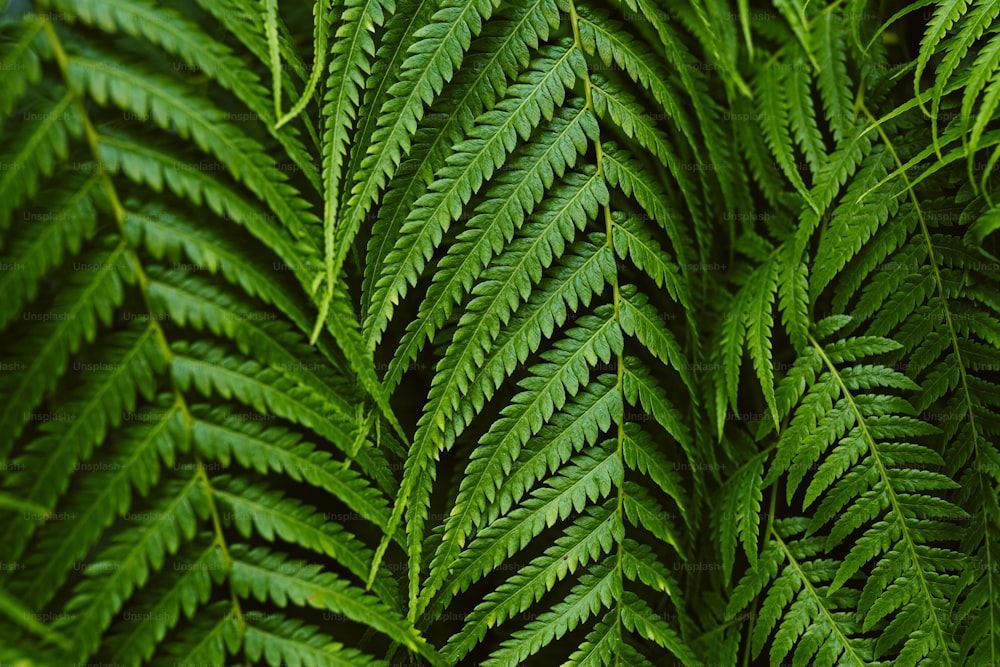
column 267, row 575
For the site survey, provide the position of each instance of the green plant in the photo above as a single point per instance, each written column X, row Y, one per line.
column 546, row 332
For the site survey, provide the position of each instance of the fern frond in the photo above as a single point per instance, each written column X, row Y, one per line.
column 477, row 89
column 772, row 105
column 432, row 63
column 625, row 173
column 583, row 541
column 281, row 451
column 42, row 139
column 474, row 312
column 166, row 235
column 856, row 220
column 200, row 563
column 169, row 104
column 833, row 80
column 474, row 161
column 983, row 72
column 89, row 300
column 210, row 370
column 494, row 224
column 741, row 515
column 631, row 239
column 600, row 37
column 210, row 638
column 546, row 389
column 286, row 641
column 135, row 463
column 802, row 115
column 589, row 596
column 352, row 49
column 794, row 598
column 270, row 515
column 876, row 481
column 946, row 14
column 127, row 564
column 170, row 31
column 269, row 576
column 979, row 19
column 19, row 61
column 38, row 248
column 321, row 30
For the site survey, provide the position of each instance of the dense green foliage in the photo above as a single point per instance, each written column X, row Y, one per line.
column 535, row 332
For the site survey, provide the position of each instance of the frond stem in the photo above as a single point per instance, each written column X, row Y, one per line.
column 118, row 211
column 616, row 299
column 890, row 492
column 963, row 376
column 819, row 599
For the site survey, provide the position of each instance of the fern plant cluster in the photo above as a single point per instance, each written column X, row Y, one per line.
column 483, row 332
